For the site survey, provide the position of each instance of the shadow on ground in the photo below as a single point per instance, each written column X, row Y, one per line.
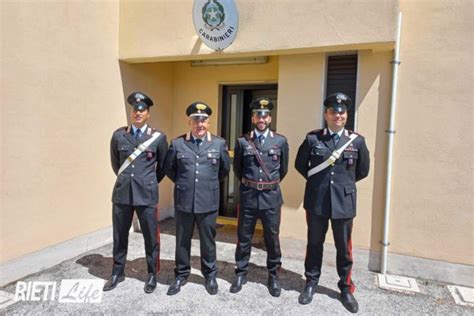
column 100, row 266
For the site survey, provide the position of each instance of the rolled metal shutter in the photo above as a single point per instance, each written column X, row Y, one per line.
column 342, row 77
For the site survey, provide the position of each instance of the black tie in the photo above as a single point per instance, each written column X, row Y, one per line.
column 335, row 138
column 198, row 142
column 138, row 134
column 261, row 139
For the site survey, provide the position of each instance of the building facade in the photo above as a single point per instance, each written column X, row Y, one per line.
column 67, row 66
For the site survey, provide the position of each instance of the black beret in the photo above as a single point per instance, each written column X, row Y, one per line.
column 338, row 101
column 197, row 109
column 139, row 100
column 261, row 105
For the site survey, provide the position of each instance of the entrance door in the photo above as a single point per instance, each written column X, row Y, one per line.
column 235, row 121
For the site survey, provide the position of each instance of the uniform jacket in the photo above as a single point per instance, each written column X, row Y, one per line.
column 138, row 184
column 274, row 153
column 332, row 192
column 196, row 172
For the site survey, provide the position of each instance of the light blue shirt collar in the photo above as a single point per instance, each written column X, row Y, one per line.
column 257, row 133
column 143, row 129
column 339, row 133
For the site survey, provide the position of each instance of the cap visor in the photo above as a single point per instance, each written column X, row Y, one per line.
column 199, row 116
column 339, row 109
column 140, row 106
column 260, row 112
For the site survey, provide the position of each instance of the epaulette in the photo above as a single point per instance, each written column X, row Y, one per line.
column 120, row 129
column 315, row 131
column 180, row 136
column 352, row 132
column 245, row 134
column 216, row 136
column 153, row 129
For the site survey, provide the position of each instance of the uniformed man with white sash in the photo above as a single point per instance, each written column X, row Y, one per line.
column 332, row 160
column 137, row 154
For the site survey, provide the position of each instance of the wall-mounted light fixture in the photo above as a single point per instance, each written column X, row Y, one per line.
column 230, row 61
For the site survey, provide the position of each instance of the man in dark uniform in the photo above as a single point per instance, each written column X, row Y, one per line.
column 196, row 162
column 260, row 162
column 332, row 160
column 137, row 154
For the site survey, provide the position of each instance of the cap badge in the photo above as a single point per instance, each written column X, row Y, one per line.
column 263, row 103
column 201, row 107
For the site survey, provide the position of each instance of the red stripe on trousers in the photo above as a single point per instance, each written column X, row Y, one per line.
column 158, row 239
column 349, row 280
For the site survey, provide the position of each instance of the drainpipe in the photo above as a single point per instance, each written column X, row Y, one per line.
column 390, row 133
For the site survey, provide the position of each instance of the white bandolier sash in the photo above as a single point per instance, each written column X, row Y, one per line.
column 141, row 148
column 332, row 159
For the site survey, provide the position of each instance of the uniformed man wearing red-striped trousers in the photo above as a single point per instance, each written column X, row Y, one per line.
column 332, row 160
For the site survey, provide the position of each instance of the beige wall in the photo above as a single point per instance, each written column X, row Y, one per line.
column 300, row 91
column 432, row 204
column 61, row 99
column 264, row 26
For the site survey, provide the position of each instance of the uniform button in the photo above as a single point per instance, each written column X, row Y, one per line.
column 260, row 170
column 132, row 175
column 261, row 153
column 332, row 182
column 197, row 163
column 133, row 166
column 197, row 171
column 260, row 180
column 197, row 156
column 197, row 180
column 134, row 148
column 332, row 173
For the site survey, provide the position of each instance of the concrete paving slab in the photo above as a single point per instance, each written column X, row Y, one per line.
column 129, row 298
column 6, row 299
column 462, row 295
column 397, row 283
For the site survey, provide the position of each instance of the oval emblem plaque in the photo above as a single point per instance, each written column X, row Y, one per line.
column 216, row 22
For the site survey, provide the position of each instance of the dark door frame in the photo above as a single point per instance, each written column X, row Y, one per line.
column 243, row 93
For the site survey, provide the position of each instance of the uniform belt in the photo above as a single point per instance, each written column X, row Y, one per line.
column 272, row 185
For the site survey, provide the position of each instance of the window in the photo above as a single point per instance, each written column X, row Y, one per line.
column 342, row 77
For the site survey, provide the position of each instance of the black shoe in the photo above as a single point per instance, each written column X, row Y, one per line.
column 349, row 302
column 307, row 295
column 113, row 281
column 239, row 280
column 175, row 287
column 150, row 284
column 274, row 286
column 211, row 285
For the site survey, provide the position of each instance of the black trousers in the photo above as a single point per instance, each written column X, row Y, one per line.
column 206, row 223
column 271, row 230
column 342, row 230
column 122, row 216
